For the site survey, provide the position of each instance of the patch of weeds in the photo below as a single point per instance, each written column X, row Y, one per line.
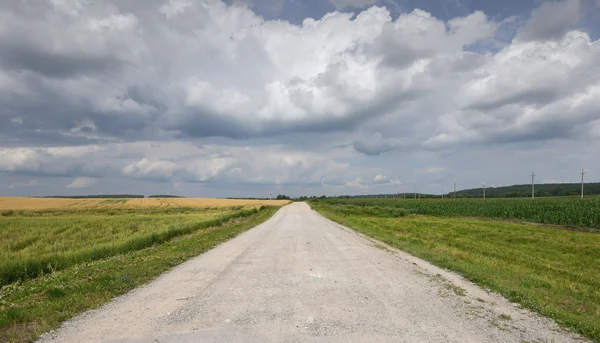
column 380, row 246
column 448, row 288
column 498, row 324
column 56, row 292
column 7, row 213
column 15, row 314
column 505, row 317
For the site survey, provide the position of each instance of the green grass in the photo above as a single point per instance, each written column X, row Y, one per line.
column 36, row 242
column 552, row 271
column 567, row 211
column 31, row 307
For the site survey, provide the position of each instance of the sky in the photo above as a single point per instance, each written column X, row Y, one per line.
column 243, row 98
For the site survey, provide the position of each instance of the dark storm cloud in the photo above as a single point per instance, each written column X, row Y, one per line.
column 376, row 145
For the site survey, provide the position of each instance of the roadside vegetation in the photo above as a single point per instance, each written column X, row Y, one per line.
column 55, row 264
column 553, row 271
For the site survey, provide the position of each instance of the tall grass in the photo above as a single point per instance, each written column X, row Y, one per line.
column 33, row 243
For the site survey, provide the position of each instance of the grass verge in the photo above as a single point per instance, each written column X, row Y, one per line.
column 35, row 306
column 551, row 271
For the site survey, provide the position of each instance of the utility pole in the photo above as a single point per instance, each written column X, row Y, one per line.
column 582, row 173
column 532, row 185
column 442, row 193
column 484, row 190
column 455, row 190
column 270, row 196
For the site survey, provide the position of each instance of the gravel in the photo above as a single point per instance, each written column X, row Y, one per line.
column 299, row 277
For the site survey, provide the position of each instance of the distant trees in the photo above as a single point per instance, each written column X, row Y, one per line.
column 282, row 197
column 541, row 190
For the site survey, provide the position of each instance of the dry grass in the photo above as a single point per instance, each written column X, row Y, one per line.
column 22, row 203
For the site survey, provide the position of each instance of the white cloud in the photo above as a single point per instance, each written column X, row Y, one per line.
column 286, row 103
column 384, row 180
column 435, row 169
column 30, row 183
column 82, row 182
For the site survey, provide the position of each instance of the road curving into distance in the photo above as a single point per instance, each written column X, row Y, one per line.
column 299, row 277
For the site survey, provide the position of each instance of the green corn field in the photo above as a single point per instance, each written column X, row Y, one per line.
column 568, row 211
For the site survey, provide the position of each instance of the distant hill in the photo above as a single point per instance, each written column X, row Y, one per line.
column 541, row 190
column 514, row 191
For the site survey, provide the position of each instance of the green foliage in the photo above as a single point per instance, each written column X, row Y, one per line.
column 34, row 243
column 282, row 197
column 553, row 271
column 375, row 210
column 541, row 190
column 571, row 211
column 34, row 306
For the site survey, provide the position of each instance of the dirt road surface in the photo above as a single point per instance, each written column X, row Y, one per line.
column 301, row 278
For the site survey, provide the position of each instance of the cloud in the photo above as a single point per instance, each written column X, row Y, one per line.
column 376, row 144
column 384, row 180
column 343, row 4
column 435, row 170
column 82, row 182
column 242, row 77
column 59, row 161
column 551, row 20
column 95, row 90
column 30, row 183
column 235, row 76
column 242, row 165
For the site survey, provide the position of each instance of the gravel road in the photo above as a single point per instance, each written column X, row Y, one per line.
column 301, row 278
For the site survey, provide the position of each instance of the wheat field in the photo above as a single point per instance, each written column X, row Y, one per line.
column 24, row 203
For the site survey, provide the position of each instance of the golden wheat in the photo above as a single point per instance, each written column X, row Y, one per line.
column 23, row 203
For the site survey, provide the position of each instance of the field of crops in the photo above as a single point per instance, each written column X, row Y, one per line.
column 60, row 257
column 22, row 203
column 568, row 211
column 41, row 235
column 38, row 242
